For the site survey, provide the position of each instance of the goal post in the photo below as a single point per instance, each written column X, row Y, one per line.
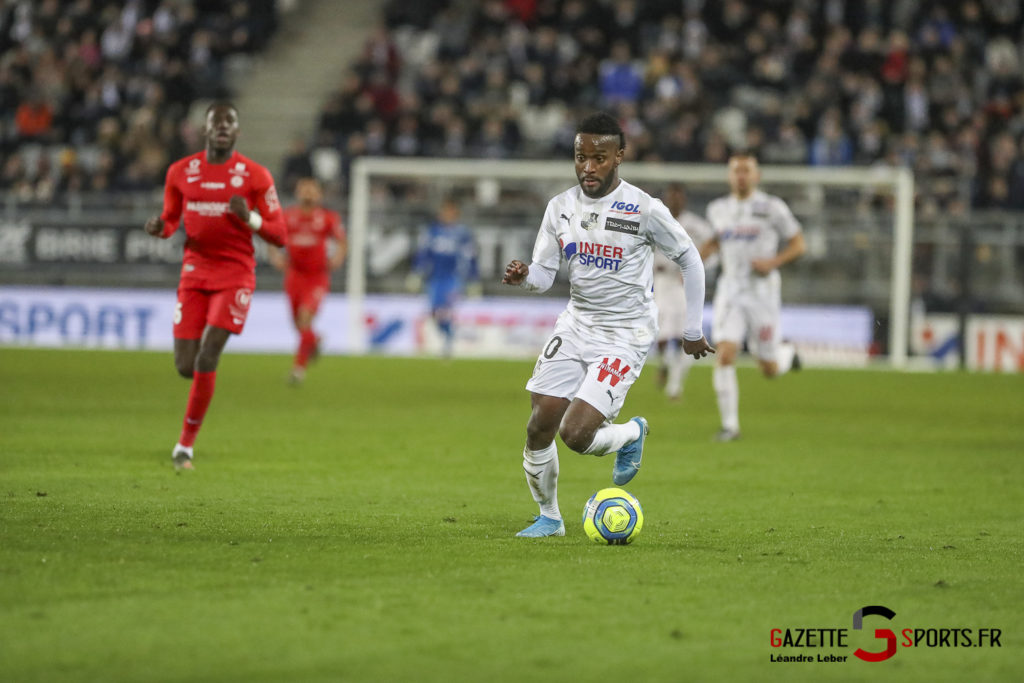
column 489, row 176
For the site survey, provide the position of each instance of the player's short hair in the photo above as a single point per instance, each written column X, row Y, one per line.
column 602, row 123
column 743, row 154
column 221, row 103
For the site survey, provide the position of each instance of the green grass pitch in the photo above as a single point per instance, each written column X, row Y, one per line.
column 360, row 528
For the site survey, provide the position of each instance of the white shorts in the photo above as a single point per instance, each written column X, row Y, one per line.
column 596, row 367
column 754, row 320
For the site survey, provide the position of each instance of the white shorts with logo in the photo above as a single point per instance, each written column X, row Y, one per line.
column 751, row 317
column 598, row 367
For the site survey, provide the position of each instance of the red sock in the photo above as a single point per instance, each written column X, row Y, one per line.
column 307, row 342
column 198, row 401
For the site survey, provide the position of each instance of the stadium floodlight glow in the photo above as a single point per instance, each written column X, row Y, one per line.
column 898, row 181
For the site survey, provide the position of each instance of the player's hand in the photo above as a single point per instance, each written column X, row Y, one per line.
column 239, row 208
column 413, row 283
column 697, row 349
column 515, row 273
column 763, row 266
column 154, row 226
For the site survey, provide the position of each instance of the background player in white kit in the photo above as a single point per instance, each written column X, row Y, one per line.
column 673, row 364
column 749, row 226
column 606, row 230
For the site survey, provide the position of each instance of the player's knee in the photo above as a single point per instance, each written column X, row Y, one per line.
column 576, row 437
column 769, row 369
column 184, row 370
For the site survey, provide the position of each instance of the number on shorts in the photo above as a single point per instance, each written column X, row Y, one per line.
column 177, row 313
column 552, row 348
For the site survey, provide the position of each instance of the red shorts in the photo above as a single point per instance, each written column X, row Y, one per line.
column 306, row 290
column 197, row 308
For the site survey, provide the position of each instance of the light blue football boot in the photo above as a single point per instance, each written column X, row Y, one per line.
column 543, row 526
column 627, row 460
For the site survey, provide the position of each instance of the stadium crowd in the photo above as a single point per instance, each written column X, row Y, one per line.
column 94, row 95
column 933, row 85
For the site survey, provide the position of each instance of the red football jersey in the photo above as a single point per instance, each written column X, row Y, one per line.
column 307, row 237
column 218, row 246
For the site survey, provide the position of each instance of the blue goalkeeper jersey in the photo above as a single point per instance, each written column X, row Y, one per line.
column 446, row 258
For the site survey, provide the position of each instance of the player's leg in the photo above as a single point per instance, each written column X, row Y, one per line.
column 189, row 321
column 774, row 357
column 556, row 376
column 443, row 294
column 729, row 328
column 587, row 426
column 663, row 351
column 226, row 314
column 679, row 365
column 307, row 342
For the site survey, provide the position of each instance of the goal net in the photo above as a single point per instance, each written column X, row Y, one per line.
column 858, row 223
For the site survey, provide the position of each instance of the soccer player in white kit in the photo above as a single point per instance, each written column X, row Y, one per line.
column 674, row 365
column 749, row 225
column 606, row 230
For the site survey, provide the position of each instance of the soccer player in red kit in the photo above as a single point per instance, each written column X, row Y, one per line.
column 306, row 264
column 224, row 198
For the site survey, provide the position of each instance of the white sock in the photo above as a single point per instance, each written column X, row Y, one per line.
column 612, row 437
column 784, row 358
column 678, row 367
column 728, row 392
column 542, row 476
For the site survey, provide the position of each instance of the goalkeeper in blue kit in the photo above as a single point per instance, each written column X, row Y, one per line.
column 446, row 259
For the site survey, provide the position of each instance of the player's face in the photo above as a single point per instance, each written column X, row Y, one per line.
column 743, row 176
column 221, row 128
column 448, row 214
column 308, row 192
column 597, row 163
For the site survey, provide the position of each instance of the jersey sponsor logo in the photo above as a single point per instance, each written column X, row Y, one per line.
column 601, row 256
column 590, row 221
column 745, row 233
column 271, row 198
column 624, row 226
column 627, row 208
column 210, row 186
column 207, row 208
column 236, row 181
column 613, row 371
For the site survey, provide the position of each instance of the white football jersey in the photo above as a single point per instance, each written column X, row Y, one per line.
column 750, row 229
column 608, row 245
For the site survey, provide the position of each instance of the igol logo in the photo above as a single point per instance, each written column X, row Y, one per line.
column 623, row 207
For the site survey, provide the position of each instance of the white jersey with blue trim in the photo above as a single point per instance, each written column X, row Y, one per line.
column 749, row 229
column 608, row 245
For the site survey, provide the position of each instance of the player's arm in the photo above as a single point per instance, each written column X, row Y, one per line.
column 278, row 257
column 540, row 274
column 167, row 222
column 670, row 237
column 340, row 243
column 789, row 229
column 267, row 219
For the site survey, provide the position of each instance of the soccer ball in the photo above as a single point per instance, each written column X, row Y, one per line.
column 613, row 517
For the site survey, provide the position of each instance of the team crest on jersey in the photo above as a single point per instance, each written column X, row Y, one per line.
column 236, row 181
column 590, row 221
column 193, row 167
